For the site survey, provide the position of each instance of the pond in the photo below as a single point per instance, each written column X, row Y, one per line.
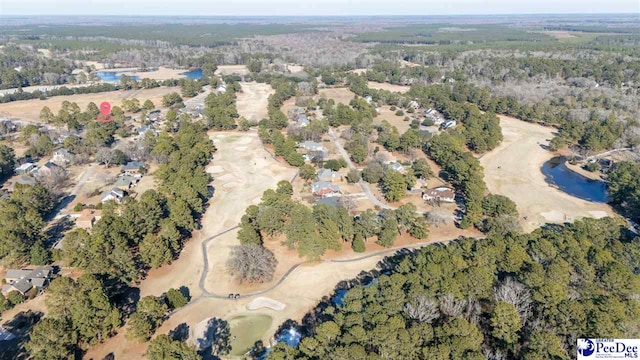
column 113, row 76
column 558, row 174
column 193, row 74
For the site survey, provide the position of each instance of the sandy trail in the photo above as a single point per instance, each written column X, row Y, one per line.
column 513, row 170
column 253, row 100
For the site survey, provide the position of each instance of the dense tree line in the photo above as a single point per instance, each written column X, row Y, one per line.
column 624, row 188
column 22, row 224
column 220, row 109
column 514, row 296
column 148, row 233
column 314, row 230
column 21, row 68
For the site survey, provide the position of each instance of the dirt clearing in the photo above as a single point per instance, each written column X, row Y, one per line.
column 339, row 95
column 253, row 100
column 232, row 70
column 390, row 87
column 513, row 169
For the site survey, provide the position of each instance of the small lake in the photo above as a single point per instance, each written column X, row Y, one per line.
column 114, row 76
column 193, row 74
column 558, row 174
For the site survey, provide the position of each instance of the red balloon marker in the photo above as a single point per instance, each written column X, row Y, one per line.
column 105, row 108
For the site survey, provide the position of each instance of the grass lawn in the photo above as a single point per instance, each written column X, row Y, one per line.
column 247, row 329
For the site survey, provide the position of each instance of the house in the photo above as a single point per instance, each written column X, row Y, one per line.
column 449, row 124
column 435, row 116
column 443, row 194
column 125, row 182
column 302, row 121
column 87, row 218
column 311, row 146
column 26, row 168
column 142, row 130
column 328, row 175
column 333, row 201
column 368, row 99
column 24, row 280
column 47, row 169
column 132, row 168
column 10, row 126
column 396, row 166
column 325, row 189
column 23, row 180
column 413, row 104
column 114, row 194
column 222, row 88
column 62, row 157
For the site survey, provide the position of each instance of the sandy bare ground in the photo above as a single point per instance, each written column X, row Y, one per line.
column 253, row 100
column 30, row 109
column 232, row 70
column 295, row 69
column 339, row 95
column 265, row 303
column 390, row 87
column 513, row 169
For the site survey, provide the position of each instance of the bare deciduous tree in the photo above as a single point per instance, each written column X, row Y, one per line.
column 452, row 307
column 516, row 294
column 423, row 309
column 252, row 263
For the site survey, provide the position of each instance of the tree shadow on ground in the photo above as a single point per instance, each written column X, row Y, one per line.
column 215, row 340
column 20, row 326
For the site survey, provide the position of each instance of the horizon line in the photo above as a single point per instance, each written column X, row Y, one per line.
column 325, row 15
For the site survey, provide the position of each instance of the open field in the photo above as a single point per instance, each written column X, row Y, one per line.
column 513, row 169
column 559, row 34
column 232, row 70
column 385, row 113
column 29, row 110
column 339, row 95
column 390, row 87
column 252, row 101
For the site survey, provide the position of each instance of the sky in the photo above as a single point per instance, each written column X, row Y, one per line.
column 313, row 7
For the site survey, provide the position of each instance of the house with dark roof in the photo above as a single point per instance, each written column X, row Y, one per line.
column 125, row 182
column 47, row 169
column 23, row 280
column 132, row 167
column 23, row 180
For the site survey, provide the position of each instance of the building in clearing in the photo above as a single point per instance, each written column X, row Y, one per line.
column 397, row 167
column 325, row 189
column 24, row 280
column 125, row 182
column 328, row 175
column 443, row 194
column 62, row 157
column 311, row 146
column 26, row 168
column 132, row 168
column 114, row 194
column 47, row 169
column 88, row 217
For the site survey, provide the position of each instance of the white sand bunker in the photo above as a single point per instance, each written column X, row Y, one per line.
column 263, row 302
column 598, row 214
column 554, row 216
column 215, row 169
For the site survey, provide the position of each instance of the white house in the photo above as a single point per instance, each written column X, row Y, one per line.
column 443, row 194
column 114, row 194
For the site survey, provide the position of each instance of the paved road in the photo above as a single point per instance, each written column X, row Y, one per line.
column 363, row 184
